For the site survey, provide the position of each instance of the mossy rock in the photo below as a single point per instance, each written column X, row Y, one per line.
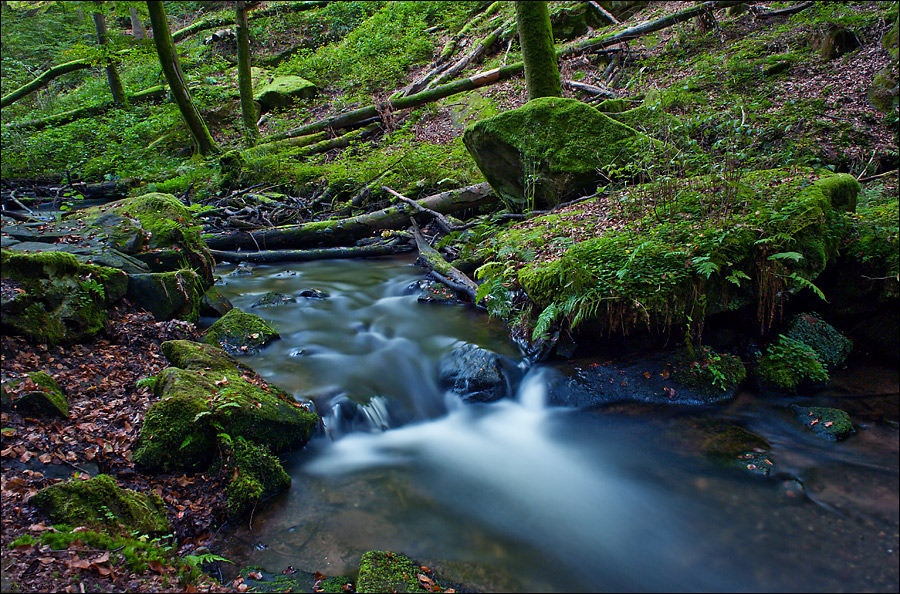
column 282, row 91
column 829, row 423
column 384, row 571
column 46, row 401
column 154, row 222
column 240, row 333
column 168, row 295
column 62, row 300
column 711, row 371
column 548, row 149
column 208, row 392
column 830, row 345
column 213, row 303
column 100, row 503
column 273, row 299
column 258, row 474
column 787, row 364
column 261, row 580
column 726, row 444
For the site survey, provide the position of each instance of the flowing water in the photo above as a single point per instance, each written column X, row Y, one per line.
column 518, row 496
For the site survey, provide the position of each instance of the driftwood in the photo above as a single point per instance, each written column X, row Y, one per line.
column 347, row 231
column 272, row 256
column 276, row 8
column 432, row 260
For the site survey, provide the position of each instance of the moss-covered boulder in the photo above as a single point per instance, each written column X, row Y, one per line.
column 41, row 396
column 256, row 474
column 155, row 226
column 273, row 299
column 830, row 345
column 829, row 423
column 546, row 150
column 207, row 392
column 57, row 299
column 787, row 364
column 282, row 91
column 710, row 371
column 884, row 92
column 240, row 333
column 725, row 443
column 101, row 503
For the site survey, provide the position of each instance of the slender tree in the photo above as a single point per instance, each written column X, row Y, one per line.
column 245, row 74
column 137, row 24
column 538, row 50
column 112, row 72
column 168, row 59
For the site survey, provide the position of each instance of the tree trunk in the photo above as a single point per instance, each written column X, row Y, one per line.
column 275, row 256
column 59, row 119
column 245, row 78
column 112, row 73
column 538, row 50
column 137, row 25
column 347, row 231
column 168, row 59
column 43, row 80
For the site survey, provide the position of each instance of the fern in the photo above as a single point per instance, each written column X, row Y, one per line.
column 809, row 285
column 544, row 321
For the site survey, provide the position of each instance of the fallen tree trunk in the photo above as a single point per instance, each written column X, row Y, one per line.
column 590, row 89
column 347, row 231
column 434, row 262
column 768, row 14
column 224, row 21
column 473, row 55
column 59, row 119
column 273, row 256
column 43, row 80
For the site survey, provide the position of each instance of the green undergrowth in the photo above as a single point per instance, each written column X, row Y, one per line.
column 788, row 364
column 668, row 254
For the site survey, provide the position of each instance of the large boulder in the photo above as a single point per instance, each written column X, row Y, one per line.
column 282, row 91
column 168, row 295
column 479, row 375
column 54, row 298
column 101, row 503
column 207, row 392
column 546, row 150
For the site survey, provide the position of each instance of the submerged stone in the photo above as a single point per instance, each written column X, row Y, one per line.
column 272, row 299
column 100, row 503
column 829, row 423
column 479, row 375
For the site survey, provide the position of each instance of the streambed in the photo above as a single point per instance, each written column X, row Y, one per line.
column 520, row 496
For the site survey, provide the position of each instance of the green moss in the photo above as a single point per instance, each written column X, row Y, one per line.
column 789, row 363
column 830, row 345
column 47, row 401
column 259, row 474
column 383, row 571
column 100, row 503
column 830, row 423
column 215, row 394
column 240, row 333
column 712, row 371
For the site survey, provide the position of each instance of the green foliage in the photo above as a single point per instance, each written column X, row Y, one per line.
column 788, row 363
column 830, row 345
column 718, row 371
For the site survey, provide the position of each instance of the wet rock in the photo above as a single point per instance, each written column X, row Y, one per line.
column 479, row 375
column 829, row 423
column 726, row 443
column 240, row 333
column 213, row 303
column 293, row 580
column 384, row 571
column 313, row 294
column 243, row 268
column 433, row 292
column 273, row 299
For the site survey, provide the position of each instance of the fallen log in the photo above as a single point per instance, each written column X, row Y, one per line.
column 59, row 119
column 43, row 80
column 224, row 21
column 590, row 89
column 769, row 14
column 273, row 256
column 347, row 231
column 431, row 260
column 442, row 221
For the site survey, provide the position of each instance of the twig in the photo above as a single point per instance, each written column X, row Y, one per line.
column 442, row 221
column 871, row 177
column 866, row 168
column 605, row 13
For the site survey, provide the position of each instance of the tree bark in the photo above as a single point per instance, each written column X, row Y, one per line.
column 245, row 78
column 59, row 119
column 137, row 25
column 347, row 231
column 112, row 72
column 538, row 50
column 168, row 59
column 276, row 8
column 43, row 80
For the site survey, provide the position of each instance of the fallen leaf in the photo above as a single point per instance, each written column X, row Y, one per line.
column 45, row 458
column 646, row 374
column 156, row 566
column 829, row 424
column 664, row 374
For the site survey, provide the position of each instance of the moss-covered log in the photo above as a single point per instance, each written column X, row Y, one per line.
column 347, row 231
column 43, row 80
column 432, row 261
column 273, row 256
column 276, row 8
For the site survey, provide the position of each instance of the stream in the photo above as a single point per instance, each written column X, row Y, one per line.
column 517, row 495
